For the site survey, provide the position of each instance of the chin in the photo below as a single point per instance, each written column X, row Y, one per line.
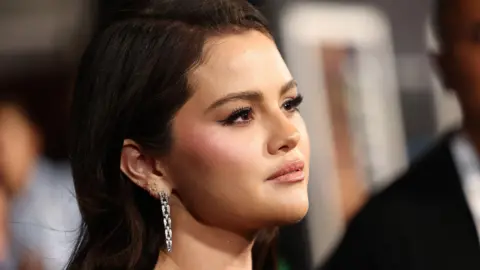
column 289, row 212
column 294, row 214
column 294, row 205
column 281, row 205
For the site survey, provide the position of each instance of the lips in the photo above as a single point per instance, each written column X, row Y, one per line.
column 289, row 172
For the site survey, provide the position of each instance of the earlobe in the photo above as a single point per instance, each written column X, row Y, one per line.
column 141, row 169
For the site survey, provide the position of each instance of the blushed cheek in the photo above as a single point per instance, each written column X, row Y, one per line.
column 215, row 151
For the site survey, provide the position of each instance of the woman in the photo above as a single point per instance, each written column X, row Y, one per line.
column 187, row 141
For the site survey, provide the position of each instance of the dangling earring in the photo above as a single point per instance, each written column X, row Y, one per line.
column 167, row 221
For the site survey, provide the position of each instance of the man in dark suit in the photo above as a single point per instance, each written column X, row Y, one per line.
column 430, row 217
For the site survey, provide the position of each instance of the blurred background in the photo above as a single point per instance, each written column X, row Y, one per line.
column 373, row 103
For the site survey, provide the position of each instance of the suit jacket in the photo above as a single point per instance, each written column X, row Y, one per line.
column 421, row 222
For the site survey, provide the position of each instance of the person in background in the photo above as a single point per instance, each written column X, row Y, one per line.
column 18, row 150
column 43, row 214
column 430, row 217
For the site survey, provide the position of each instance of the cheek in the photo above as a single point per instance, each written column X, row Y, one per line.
column 216, row 151
column 304, row 143
column 217, row 164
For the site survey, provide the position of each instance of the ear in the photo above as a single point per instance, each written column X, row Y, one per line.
column 444, row 69
column 143, row 170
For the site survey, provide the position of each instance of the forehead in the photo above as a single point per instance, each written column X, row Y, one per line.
column 238, row 62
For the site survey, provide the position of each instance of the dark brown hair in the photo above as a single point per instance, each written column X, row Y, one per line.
column 132, row 80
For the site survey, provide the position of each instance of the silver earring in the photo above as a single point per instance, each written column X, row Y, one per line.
column 167, row 221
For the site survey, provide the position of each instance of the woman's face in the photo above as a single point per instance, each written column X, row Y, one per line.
column 235, row 133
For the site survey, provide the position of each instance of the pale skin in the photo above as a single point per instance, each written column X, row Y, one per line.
column 218, row 172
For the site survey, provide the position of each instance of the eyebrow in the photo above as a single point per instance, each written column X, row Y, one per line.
column 250, row 95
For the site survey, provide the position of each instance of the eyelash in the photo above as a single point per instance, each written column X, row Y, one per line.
column 293, row 103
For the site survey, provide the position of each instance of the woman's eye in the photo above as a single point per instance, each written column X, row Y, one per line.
column 239, row 117
column 291, row 105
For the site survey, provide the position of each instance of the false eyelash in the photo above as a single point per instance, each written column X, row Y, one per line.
column 230, row 120
column 295, row 102
column 235, row 115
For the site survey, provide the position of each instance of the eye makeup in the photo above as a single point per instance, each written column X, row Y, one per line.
column 244, row 115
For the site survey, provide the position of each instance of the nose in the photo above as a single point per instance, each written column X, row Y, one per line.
column 284, row 136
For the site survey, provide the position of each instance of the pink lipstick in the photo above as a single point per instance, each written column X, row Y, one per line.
column 290, row 172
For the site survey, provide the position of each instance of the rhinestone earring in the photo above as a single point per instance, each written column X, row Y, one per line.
column 167, row 221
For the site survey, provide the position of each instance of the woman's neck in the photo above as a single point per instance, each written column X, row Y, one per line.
column 198, row 246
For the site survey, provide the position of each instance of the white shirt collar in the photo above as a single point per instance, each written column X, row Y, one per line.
column 468, row 167
column 465, row 156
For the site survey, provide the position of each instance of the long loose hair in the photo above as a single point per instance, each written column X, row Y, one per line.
column 132, row 80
